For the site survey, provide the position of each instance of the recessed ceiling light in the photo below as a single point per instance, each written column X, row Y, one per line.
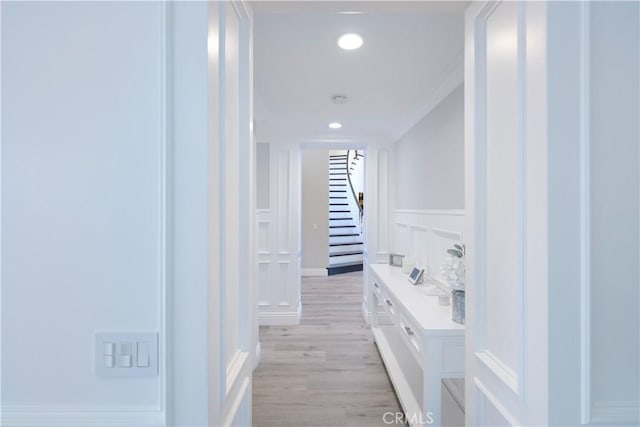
column 335, row 125
column 350, row 41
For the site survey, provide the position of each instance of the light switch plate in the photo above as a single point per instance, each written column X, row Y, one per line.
column 124, row 355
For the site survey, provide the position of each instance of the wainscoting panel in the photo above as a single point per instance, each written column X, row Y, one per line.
column 506, row 201
column 279, row 241
column 283, row 191
column 425, row 236
column 264, row 278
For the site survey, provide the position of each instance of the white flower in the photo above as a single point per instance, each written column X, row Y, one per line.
column 453, row 272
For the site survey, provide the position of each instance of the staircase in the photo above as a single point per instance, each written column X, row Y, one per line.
column 345, row 234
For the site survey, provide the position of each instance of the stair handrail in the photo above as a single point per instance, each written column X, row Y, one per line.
column 353, row 192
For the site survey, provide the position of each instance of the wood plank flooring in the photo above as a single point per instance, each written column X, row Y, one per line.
column 325, row 371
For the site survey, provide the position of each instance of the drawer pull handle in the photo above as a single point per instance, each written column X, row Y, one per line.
column 408, row 331
column 389, row 303
column 376, row 285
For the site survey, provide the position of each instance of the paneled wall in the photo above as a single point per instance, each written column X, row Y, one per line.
column 214, row 328
column 425, row 236
column 552, row 160
column 279, row 228
column 279, row 243
column 505, row 155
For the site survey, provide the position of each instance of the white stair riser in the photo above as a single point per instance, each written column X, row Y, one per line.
column 344, row 259
column 345, row 239
column 341, row 222
column 354, row 247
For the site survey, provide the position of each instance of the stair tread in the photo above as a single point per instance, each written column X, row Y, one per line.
column 346, row 244
column 339, row 211
column 344, row 235
column 345, row 253
column 340, row 219
column 342, row 226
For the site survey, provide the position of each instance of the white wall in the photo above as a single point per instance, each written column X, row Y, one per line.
column 315, row 212
column 427, row 215
column 116, row 186
column 429, row 158
column 82, row 208
column 614, row 213
column 593, row 289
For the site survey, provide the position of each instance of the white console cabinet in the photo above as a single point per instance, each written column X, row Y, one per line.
column 419, row 343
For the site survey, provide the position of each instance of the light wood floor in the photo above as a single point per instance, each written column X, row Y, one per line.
column 326, row 371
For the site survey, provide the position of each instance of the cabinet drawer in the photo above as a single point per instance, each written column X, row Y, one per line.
column 409, row 332
column 389, row 304
column 377, row 288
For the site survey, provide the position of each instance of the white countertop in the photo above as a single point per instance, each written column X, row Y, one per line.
column 435, row 319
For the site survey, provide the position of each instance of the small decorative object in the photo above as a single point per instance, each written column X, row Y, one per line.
column 457, row 308
column 453, row 268
column 415, row 277
column 444, row 299
column 453, row 272
column 395, row 260
column 408, row 264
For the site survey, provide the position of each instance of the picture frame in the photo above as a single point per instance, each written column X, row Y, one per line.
column 396, row 260
column 415, row 277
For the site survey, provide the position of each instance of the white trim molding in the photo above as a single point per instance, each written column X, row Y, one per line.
column 85, row 416
column 258, row 355
column 443, row 212
column 275, row 318
column 314, row 272
column 618, row 412
column 585, row 217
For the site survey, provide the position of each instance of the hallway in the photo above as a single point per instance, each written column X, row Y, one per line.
column 326, row 371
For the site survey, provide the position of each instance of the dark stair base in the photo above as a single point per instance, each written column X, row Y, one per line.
column 344, row 268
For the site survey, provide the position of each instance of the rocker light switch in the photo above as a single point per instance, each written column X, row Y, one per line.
column 126, row 354
column 109, row 348
column 143, row 354
column 109, row 361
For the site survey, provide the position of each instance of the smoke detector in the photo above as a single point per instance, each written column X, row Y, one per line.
column 339, row 99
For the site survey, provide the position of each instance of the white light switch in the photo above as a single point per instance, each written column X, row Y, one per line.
column 109, row 348
column 109, row 361
column 143, row 354
column 126, row 354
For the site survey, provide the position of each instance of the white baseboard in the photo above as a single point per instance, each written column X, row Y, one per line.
column 52, row 416
column 314, row 272
column 257, row 356
column 280, row 318
column 627, row 413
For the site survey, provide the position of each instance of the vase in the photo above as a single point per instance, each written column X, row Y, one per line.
column 457, row 306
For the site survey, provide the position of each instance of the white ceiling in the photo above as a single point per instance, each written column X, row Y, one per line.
column 390, row 81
